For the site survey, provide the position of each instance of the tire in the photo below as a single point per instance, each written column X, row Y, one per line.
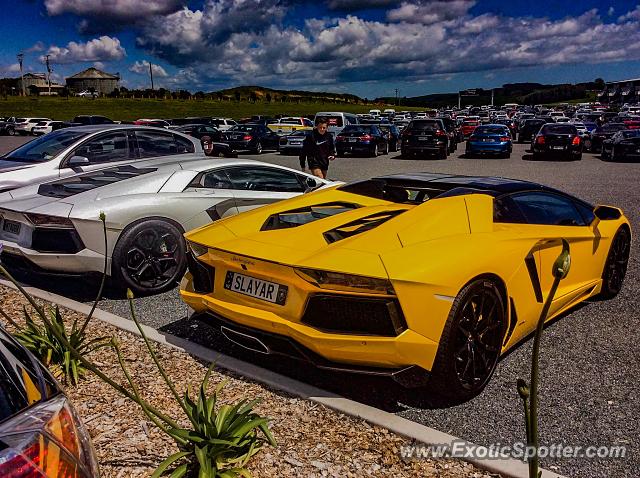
column 386, row 149
column 471, row 342
column 615, row 267
column 374, row 151
column 11, row 131
column 258, row 148
column 149, row 257
column 587, row 145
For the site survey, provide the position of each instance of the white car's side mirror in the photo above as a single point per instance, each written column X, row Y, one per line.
column 76, row 161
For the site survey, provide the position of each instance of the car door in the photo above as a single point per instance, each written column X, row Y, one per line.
column 213, row 192
column 557, row 217
column 255, row 186
column 270, row 138
column 111, row 147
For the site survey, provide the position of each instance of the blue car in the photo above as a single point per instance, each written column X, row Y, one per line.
column 490, row 139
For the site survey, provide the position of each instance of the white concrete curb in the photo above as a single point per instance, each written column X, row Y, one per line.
column 506, row 467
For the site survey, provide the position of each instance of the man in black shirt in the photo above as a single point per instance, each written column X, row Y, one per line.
column 317, row 150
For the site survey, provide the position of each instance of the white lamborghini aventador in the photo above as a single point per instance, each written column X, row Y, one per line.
column 56, row 227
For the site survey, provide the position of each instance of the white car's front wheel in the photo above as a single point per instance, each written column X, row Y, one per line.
column 150, row 257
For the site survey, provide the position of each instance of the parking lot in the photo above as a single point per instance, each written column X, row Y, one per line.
column 589, row 358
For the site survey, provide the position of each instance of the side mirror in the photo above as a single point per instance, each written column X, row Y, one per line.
column 311, row 183
column 607, row 213
column 76, row 161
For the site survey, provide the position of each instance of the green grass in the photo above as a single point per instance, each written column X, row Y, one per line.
column 131, row 109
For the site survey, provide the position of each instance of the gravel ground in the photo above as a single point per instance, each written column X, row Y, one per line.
column 589, row 356
column 313, row 441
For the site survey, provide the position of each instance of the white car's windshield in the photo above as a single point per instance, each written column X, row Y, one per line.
column 44, row 148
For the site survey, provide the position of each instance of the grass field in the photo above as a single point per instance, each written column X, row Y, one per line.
column 131, row 109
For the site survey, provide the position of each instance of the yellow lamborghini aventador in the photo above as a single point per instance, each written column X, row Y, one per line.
column 422, row 277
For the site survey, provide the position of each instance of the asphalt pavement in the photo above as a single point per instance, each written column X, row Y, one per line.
column 589, row 357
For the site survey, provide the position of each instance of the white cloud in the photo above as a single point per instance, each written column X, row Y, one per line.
column 142, row 68
column 125, row 11
column 418, row 40
column 100, row 49
column 9, row 70
column 431, row 11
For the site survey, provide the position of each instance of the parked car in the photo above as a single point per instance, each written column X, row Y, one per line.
column 87, row 94
column 558, row 140
column 292, row 143
column 601, row 133
column 393, row 135
column 366, row 139
column 24, row 126
column 288, row 124
column 468, row 126
column 82, row 120
column 529, row 129
column 158, row 123
column 623, row 145
column 251, row 137
column 44, row 127
column 7, row 126
column 223, row 124
column 336, row 120
column 55, row 226
column 490, row 139
column 201, row 131
column 78, row 149
column 452, row 132
column 40, row 432
column 189, row 120
column 510, row 124
column 425, row 136
column 388, row 249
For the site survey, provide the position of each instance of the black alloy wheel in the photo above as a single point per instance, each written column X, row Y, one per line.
column 615, row 268
column 471, row 342
column 150, row 257
column 258, row 148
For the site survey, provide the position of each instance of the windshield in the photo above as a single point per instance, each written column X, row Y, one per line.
column 44, row 148
column 559, row 129
column 490, row 130
column 332, row 120
column 242, row 127
column 358, row 129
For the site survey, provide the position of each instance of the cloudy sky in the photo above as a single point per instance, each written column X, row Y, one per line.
column 365, row 47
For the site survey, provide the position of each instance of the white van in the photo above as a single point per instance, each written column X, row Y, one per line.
column 336, row 120
column 375, row 112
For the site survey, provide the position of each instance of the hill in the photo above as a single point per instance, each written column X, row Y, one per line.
column 260, row 93
column 521, row 93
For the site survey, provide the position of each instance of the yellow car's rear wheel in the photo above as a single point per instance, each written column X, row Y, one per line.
column 471, row 342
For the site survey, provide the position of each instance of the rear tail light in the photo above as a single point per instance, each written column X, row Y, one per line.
column 576, row 140
column 473, row 138
column 46, row 442
column 44, row 220
column 340, row 138
column 504, row 138
column 365, row 137
column 247, row 137
column 407, row 132
column 440, row 133
column 540, row 139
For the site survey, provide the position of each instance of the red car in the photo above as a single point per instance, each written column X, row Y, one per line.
column 468, row 127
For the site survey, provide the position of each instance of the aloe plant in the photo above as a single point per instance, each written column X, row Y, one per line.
column 219, row 441
column 529, row 394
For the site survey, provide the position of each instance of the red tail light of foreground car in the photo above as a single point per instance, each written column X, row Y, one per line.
column 47, row 441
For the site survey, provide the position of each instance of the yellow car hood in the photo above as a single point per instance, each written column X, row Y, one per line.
column 306, row 245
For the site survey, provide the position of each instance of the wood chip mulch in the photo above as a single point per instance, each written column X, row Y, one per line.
column 313, row 441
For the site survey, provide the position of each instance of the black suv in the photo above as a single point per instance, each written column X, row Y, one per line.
column 425, row 136
column 529, row 129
